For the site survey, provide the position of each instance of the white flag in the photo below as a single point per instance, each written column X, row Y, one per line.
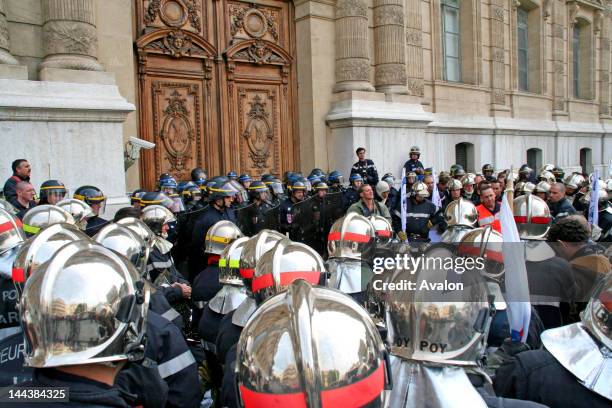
column 517, row 287
column 593, row 204
column 403, row 200
column 435, row 196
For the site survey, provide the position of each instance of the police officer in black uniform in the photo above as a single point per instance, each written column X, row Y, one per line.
column 351, row 194
column 259, row 194
column 335, row 180
column 298, row 192
column 52, row 192
column 365, row 168
column 97, row 201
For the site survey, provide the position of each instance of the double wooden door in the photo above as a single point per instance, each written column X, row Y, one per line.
column 217, row 87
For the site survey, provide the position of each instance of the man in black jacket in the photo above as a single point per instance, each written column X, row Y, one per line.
column 21, row 172
column 558, row 204
column 365, row 168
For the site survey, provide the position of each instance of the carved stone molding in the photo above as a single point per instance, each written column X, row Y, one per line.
column 598, row 22
column 546, row 9
column 390, row 74
column 573, row 8
column 351, row 8
column 352, row 70
column 416, row 87
column 70, row 39
column 5, row 56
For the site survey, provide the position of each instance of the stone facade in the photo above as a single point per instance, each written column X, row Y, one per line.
column 370, row 73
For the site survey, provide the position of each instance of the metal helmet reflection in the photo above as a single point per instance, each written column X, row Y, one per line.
column 233, row 292
column 44, row 215
column 532, row 217
column 484, row 243
column 139, row 228
column 352, row 236
column 80, row 211
column 597, row 317
column 11, row 232
column 253, row 250
column 461, row 212
column 125, row 242
column 83, row 306
column 220, row 235
column 383, row 229
column 155, row 216
column 310, row 347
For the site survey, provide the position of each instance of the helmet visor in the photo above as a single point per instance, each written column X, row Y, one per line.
column 276, row 187
column 55, row 195
column 176, row 205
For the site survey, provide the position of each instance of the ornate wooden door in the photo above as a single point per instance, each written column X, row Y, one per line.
column 216, row 87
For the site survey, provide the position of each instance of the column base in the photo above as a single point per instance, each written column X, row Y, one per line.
column 392, row 89
column 76, row 76
column 353, row 86
column 75, row 62
column 13, row 72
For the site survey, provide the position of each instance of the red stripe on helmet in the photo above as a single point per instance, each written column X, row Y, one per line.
column 348, row 236
column 286, row 278
column 357, row 394
column 350, row 396
column 18, row 275
column 475, row 251
column 247, row 273
column 383, row 233
column 519, row 219
column 6, row 226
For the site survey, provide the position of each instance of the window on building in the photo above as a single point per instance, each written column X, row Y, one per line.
column 523, row 49
column 586, row 161
column 528, row 47
column 464, row 156
column 582, row 60
column 451, row 38
column 534, row 159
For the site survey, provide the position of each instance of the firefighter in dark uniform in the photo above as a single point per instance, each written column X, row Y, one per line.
column 414, row 164
column 220, row 208
column 365, row 168
column 298, row 192
column 97, row 201
column 419, row 215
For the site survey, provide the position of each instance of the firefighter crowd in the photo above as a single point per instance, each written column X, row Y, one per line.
column 244, row 291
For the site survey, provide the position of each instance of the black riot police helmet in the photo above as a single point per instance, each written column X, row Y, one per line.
column 52, row 189
column 198, row 174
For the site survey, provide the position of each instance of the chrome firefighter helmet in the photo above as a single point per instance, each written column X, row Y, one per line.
column 253, row 250
column 139, row 228
column 415, row 150
column 468, row 180
column 454, row 184
column 126, row 242
column 42, row 216
column 352, row 236
column 311, row 347
column 524, row 187
column 233, row 292
column 80, row 211
column 547, row 167
column 542, row 187
column 85, row 305
column 383, row 229
column 40, row 248
column 484, row 243
column 461, row 212
column 439, row 326
column 5, row 205
column 220, row 235
column 155, row 216
column 584, row 348
column 420, row 189
column 548, row 177
column 574, row 181
column 281, row 265
column 532, row 217
column 11, row 232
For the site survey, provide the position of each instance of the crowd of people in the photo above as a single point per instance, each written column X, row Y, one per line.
column 233, row 291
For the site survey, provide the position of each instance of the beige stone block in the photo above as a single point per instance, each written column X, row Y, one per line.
column 13, row 71
column 31, row 63
column 24, row 11
column 77, row 76
column 26, row 40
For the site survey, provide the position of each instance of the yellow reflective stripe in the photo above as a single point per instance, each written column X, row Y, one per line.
column 222, row 262
column 83, row 198
column 50, row 187
column 78, row 197
column 234, row 263
column 30, row 229
column 216, row 238
column 219, row 190
column 150, row 202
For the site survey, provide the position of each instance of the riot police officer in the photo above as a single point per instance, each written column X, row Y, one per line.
column 351, row 195
column 259, row 194
column 487, row 172
column 298, row 192
column 97, row 201
column 335, row 180
column 52, row 192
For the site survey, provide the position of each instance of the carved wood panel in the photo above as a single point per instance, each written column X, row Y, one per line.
column 217, row 86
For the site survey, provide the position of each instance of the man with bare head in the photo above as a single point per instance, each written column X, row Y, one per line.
column 25, row 197
column 558, row 204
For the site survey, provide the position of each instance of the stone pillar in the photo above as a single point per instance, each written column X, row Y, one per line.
column 558, row 56
column 70, row 39
column 352, row 54
column 5, row 55
column 389, row 46
column 498, row 61
column 602, row 29
column 414, row 47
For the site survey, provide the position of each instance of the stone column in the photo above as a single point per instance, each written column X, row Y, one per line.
column 352, row 54
column 389, row 46
column 558, row 55
column 70, row 39
column 5, row 55
column 602, row 29
column 498, row 63
column 414, row 47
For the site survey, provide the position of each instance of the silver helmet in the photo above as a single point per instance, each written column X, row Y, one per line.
column 311, row 347
column 40, row 248
column 103, row 320
column 454, row 184
column 419, row 188
column 548, row 177
column 140, row 228
column 233, row 292
column 220, row 235
column 253, row 250
column 281, row 265
column 383, row 229
column 547, row 167
column 42, row 216
column 485, row 243
column 125, row 242
column 156, row 216
column 11, row 232
column 461, row 212
column 597, row 317
column 5, row 205
column 468, row 180
column 524, row 187
column 437, row 325
column 532, row 217
column 80, row 211
column 352, row 236
column 542, row 187
column 574, row 181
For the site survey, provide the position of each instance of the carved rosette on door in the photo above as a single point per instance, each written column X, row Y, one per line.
column 259, row 142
